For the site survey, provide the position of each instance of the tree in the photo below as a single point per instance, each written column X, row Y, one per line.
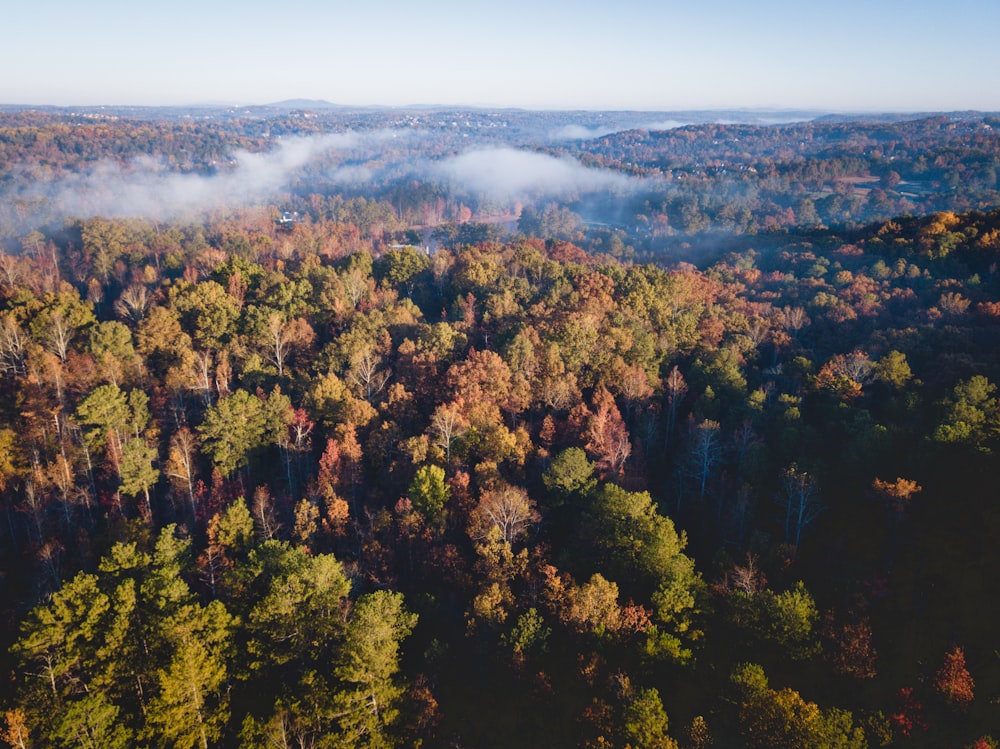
column 893, row 370
column 529, row 636
column 13, row 345
column 429, row 493
column 106, row 411
column 790, row 620
column 845, row 375
column 782, row 719
column 641, row 548
column 366, row 373
column 953, row 680
column 283, row 337
column 91, row 655
column 971, row 417
column 569, row 474
column 448, row 423
column 133, row 303
column 593, row 606
column 92, row 722
column 60, row 641
column 300, row 615
column 240, row 424
column 635, row 541
column 111, row 345
column 507, row 508
column 801, row 503
column 181, row 467
column 675, row 388
column 191, row 708
column 398, row 267
column 482, row 378
column 15, row 731
column 850, row 647
column 704, row 454
column 367, row 667
column 646, row 722
column 207, row 312
column 137, row 471
column 62, row 317
column 607, row 438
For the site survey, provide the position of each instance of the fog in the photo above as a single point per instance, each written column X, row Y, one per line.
column 581, row 132
column 148, row 187
column 509, row 173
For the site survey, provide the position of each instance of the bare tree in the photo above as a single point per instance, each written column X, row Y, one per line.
column 12, row 346
column 800, row 500
column 676, row 388
column 202, row 375
column 795, row 318
column 508, row 508
column 10, row 271
column 58, row 335
column 447, row 425
column 355, row 285
column 704, row 454
column 181, row 464
column 278, row 340
column 133, row 303
column 365, row 373
column 747, row 579
column 282, row 336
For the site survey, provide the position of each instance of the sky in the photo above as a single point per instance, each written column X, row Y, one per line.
column 852, row 55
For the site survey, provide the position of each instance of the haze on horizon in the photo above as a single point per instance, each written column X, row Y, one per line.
column 923, row 55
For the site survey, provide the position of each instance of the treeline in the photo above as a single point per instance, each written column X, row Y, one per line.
column 283, row 486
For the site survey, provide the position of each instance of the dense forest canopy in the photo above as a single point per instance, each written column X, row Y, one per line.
column 662, row 438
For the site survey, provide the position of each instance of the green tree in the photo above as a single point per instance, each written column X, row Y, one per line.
column 300, row 614
column 635, row 540
column 971, row 416
column 646, row 722
column 106, row 416
column 62, row 316
column 60, row 643
column 191, row 708
column 111, row 345
column 137, row 471
column 569, row 474
column 367, row 668
column 893, row 370
column 429, row 493
column 237, row 426
column 637, row 544
column 207, row 313
column 790, row 620
column 92, row 722
column 529, row 636
column 399, row 267
column 782, row 719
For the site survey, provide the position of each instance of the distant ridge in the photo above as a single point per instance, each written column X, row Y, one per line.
column 305, row 104
column 893, row 117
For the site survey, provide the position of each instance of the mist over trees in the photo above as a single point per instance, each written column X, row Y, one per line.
column 682, row 438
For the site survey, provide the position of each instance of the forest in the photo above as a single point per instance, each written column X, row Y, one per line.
column 696, row 452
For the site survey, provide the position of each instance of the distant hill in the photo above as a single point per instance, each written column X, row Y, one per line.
column 893, row 117
column 306, row 104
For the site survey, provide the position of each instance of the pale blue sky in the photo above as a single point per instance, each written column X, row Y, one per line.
column 885, row 55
